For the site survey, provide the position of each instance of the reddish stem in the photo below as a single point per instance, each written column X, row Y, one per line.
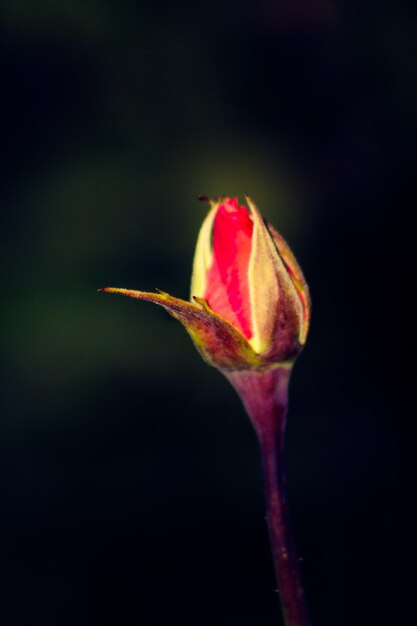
column 265, row 397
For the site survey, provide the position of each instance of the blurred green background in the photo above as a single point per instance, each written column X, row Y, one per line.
column 130, row 480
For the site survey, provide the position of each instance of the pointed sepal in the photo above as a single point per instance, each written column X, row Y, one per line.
column 220, row 344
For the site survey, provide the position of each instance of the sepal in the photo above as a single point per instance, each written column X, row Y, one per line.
column 219, row 343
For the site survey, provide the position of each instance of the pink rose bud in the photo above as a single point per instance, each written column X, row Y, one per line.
column 250, row 307
column 248, row 275
column 249, row 316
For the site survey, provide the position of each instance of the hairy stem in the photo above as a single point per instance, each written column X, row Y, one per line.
column 265, row 397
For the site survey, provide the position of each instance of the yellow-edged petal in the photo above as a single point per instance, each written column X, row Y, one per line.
column 203, row 255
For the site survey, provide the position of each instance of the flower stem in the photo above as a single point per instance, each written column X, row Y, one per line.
column 282, row 543
column 265, row 397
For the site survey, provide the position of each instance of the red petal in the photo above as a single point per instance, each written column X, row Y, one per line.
column 227, row 289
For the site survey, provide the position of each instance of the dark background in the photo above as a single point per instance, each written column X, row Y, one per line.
column 130, row 484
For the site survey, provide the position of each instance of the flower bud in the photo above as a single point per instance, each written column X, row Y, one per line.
column 250, row 306
column 247, row 274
